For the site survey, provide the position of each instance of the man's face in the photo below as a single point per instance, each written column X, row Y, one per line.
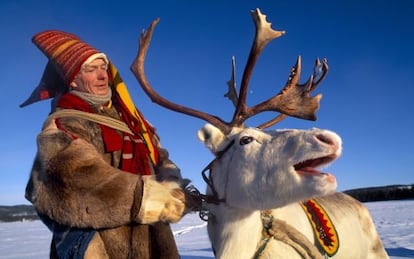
column 92, row 78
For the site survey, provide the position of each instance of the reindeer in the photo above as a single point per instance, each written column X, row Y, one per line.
column 260, row 182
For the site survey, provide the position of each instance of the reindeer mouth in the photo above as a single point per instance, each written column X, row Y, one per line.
column 309, row 167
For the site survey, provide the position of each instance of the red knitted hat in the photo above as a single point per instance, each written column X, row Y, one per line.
column 67, row 54
column 65, row 50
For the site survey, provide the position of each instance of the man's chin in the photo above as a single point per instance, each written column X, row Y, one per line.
column 102, row 92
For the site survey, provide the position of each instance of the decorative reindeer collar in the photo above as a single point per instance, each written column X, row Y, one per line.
column 323, row 227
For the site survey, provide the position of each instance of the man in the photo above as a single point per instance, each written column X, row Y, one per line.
column 100, row 180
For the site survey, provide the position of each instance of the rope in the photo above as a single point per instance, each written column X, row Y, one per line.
column 101, row 119
column 281, row 231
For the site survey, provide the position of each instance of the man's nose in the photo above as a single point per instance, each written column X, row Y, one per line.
column 102, row 73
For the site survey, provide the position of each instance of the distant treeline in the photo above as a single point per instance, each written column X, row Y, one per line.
column 17, row 213
column 383, row 193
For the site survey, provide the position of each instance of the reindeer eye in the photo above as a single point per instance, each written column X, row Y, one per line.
column 246, row 140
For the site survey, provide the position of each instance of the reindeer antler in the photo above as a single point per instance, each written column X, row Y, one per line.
column 137, row 68
column 293, row 100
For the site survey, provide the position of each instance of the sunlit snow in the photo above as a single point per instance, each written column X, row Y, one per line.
column 394, row 221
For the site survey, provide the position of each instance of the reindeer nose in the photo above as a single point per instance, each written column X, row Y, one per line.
column 325, row 139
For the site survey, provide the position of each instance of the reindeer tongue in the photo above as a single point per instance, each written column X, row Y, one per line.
column 308, row 171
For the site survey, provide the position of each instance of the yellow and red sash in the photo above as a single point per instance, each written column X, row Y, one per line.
column 123, row 93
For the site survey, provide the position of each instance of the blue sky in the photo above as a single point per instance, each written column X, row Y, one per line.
column 367, row 95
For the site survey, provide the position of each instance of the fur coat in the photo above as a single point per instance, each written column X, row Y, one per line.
column 76, row 184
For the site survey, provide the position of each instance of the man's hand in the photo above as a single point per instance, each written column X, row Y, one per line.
column 161, row 201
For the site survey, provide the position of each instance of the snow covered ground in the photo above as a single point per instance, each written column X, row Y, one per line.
column 394, row 221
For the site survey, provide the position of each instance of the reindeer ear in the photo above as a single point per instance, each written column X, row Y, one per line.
column 211, row 136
